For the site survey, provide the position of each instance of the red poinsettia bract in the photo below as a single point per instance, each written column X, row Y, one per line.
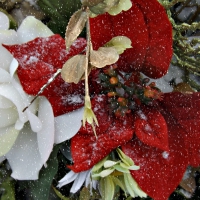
column 150, row 31
column 38, row 60
column 163, row 139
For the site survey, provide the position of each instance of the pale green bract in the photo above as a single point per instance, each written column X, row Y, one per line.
column 116, row 173
column 113, row 7
column 122, row 5
column 88, row 115
column 120, row 43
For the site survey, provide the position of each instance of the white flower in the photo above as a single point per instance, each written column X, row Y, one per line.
column 27, row 138
column 79, row 179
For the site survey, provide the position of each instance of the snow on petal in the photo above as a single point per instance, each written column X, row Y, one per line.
column 32, row 28
column 67, row 125
column 24, row 157
column 45, row 136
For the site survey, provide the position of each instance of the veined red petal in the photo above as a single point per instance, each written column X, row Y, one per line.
column 86, row 149
column 150, row 31
column 185, row 110
column 131, row 24
column 38, row 60
column 159, row 51
column 151, row 128
column 160, row 171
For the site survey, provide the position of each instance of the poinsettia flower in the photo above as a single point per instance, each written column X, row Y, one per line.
column 164, row 141
column 147, row 25
column 27, row 146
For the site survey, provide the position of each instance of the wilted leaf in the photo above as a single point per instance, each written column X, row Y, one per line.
column 75, row 26
column 183, row 88
column 103, row 56
column 73, row 70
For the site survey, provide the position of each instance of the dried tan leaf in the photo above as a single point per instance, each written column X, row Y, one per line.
column 183, row 88
column 74, row 27
column 104, row 56
column 73, row 70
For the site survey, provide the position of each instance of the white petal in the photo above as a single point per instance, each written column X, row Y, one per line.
column 32, row 28
column 24, row 157
column 4, row 76
column 67, row 125
column 8, row 37
column 45, row 136
column 19, row 124
column 5, row 103
column 5, row 58
column 68, row 178
column 79, row 182
column 7, row 139
column 2, row 158
column 4, row 21
column 8, row 117
column 8, row 91
column 13, row 67
column 35, row 122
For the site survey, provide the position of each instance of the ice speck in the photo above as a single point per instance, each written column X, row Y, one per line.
column 142, row 115
column 165, row 154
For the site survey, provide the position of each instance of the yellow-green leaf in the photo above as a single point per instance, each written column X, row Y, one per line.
column 103, row 56
column 74, row 27
column 73, row 70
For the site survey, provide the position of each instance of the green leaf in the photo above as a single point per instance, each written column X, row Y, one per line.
column 40, row 188
column 8, row 186
column 59, row 12
column 59, row 194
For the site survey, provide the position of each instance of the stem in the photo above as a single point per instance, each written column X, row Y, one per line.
column 87, row 54
column 43, row 88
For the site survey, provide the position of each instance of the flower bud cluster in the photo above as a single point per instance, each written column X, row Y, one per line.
column 124, row 98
